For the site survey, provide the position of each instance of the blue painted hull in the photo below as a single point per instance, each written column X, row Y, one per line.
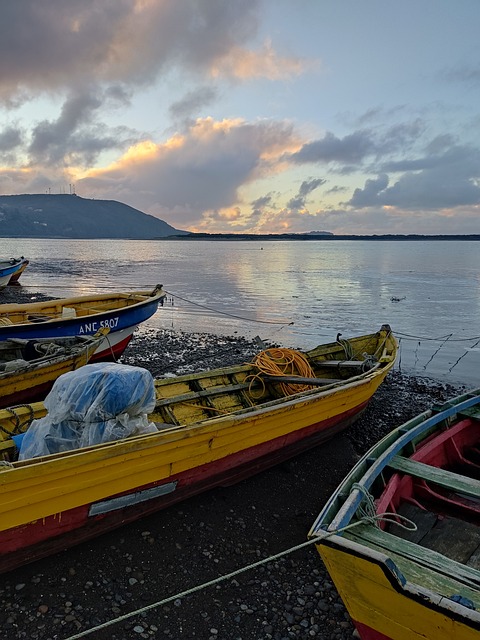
column 7, row 272
column 121, row 322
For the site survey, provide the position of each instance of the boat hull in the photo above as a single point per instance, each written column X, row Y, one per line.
column 16, row 276
column 8, row 272
column 58, row 531
column 121, row 323
column 415, row 573
column 212, row 428
column 382, row 607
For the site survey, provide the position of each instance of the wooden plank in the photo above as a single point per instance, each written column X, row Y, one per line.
column 474, row 560
column 453, row 538
column 424, row 520
column 207, row 393
column 419, row 555
column 423, row 567
column 441, row 477
column 357, row 364
column 471, row 412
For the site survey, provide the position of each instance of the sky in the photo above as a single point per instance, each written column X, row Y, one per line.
column 248, row 116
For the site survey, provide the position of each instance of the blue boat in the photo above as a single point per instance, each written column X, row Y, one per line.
column 121, row 313
column 9, row 269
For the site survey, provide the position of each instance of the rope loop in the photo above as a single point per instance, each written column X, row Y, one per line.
column 280, row 361
column 368, row 514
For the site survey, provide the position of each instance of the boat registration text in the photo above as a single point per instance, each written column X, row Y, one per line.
column 93, row 327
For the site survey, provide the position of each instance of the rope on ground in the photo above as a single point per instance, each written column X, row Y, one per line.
column 229, row 576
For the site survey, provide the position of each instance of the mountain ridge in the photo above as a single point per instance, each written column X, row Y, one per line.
column 71, row 216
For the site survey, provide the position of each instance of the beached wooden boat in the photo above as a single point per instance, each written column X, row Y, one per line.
column 121, row 313
column 23, row 262
column 28, row 368
column 415, row 572
column 10, row 269
column 211, row 428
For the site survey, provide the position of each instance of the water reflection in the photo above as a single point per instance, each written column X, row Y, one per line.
column 297, row 293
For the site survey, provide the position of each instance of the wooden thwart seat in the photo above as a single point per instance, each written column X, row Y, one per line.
column 205, row 393
column 341, row 363
column 441, row 477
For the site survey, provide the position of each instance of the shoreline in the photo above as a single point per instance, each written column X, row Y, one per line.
column 210, row 535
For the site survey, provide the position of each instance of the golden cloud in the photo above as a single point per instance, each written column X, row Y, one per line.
column 244, row 64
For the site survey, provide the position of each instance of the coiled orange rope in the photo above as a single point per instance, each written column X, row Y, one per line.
column 284, row 362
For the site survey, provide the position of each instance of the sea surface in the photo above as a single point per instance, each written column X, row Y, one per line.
column 294, row 293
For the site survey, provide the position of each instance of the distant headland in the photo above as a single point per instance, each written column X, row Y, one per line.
column 315, row 236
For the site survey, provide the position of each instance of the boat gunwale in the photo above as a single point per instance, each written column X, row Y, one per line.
column 74, row 352
column 381, row 454
column 181, row 431
column 144, row 296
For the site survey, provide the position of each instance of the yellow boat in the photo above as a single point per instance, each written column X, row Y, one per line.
column 28, row 368
column 400, row 536
column 206, row 429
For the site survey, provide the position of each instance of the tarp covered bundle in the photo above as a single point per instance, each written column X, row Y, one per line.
column 94, row 404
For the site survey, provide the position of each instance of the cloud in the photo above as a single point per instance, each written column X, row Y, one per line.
column 195, row 173
column 263, row 201
column 243, row 64
column 185, row 109
column 443, row 181
column 307, row 186
column 466, row 74
column 352, row 148
column 54, row 46
column 10, row 138
column 75, row 137
column 369, row 195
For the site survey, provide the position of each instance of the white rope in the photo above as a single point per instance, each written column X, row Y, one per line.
column 368, row 514
column 237, row 572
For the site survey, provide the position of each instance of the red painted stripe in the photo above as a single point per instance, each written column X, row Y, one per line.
column 367, row 633
column 38, row 392
column 113, row 352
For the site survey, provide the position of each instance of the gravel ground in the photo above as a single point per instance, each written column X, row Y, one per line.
column 210, row 535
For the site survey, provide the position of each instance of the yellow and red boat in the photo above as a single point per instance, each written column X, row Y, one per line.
column 205, row 429
column 28, row 368
column 400, row 536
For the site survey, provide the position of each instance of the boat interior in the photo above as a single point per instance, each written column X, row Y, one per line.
column 68, row 308
column 438, row 488
column 432, row 493
column 273, row 376
column 16, row 353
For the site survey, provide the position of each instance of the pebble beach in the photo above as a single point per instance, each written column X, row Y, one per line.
column 209, row 536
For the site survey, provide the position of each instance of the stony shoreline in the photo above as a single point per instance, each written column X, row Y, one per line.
column 210, row 535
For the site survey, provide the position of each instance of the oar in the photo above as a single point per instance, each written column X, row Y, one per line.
column 314, row 382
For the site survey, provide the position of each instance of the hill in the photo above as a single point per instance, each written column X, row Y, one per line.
column 70, row 216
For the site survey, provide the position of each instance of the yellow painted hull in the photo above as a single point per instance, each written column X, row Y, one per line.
column 36, row 489
column 99, row 487
column 383, row 607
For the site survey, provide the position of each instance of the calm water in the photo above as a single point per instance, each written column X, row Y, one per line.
column 295, row 293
